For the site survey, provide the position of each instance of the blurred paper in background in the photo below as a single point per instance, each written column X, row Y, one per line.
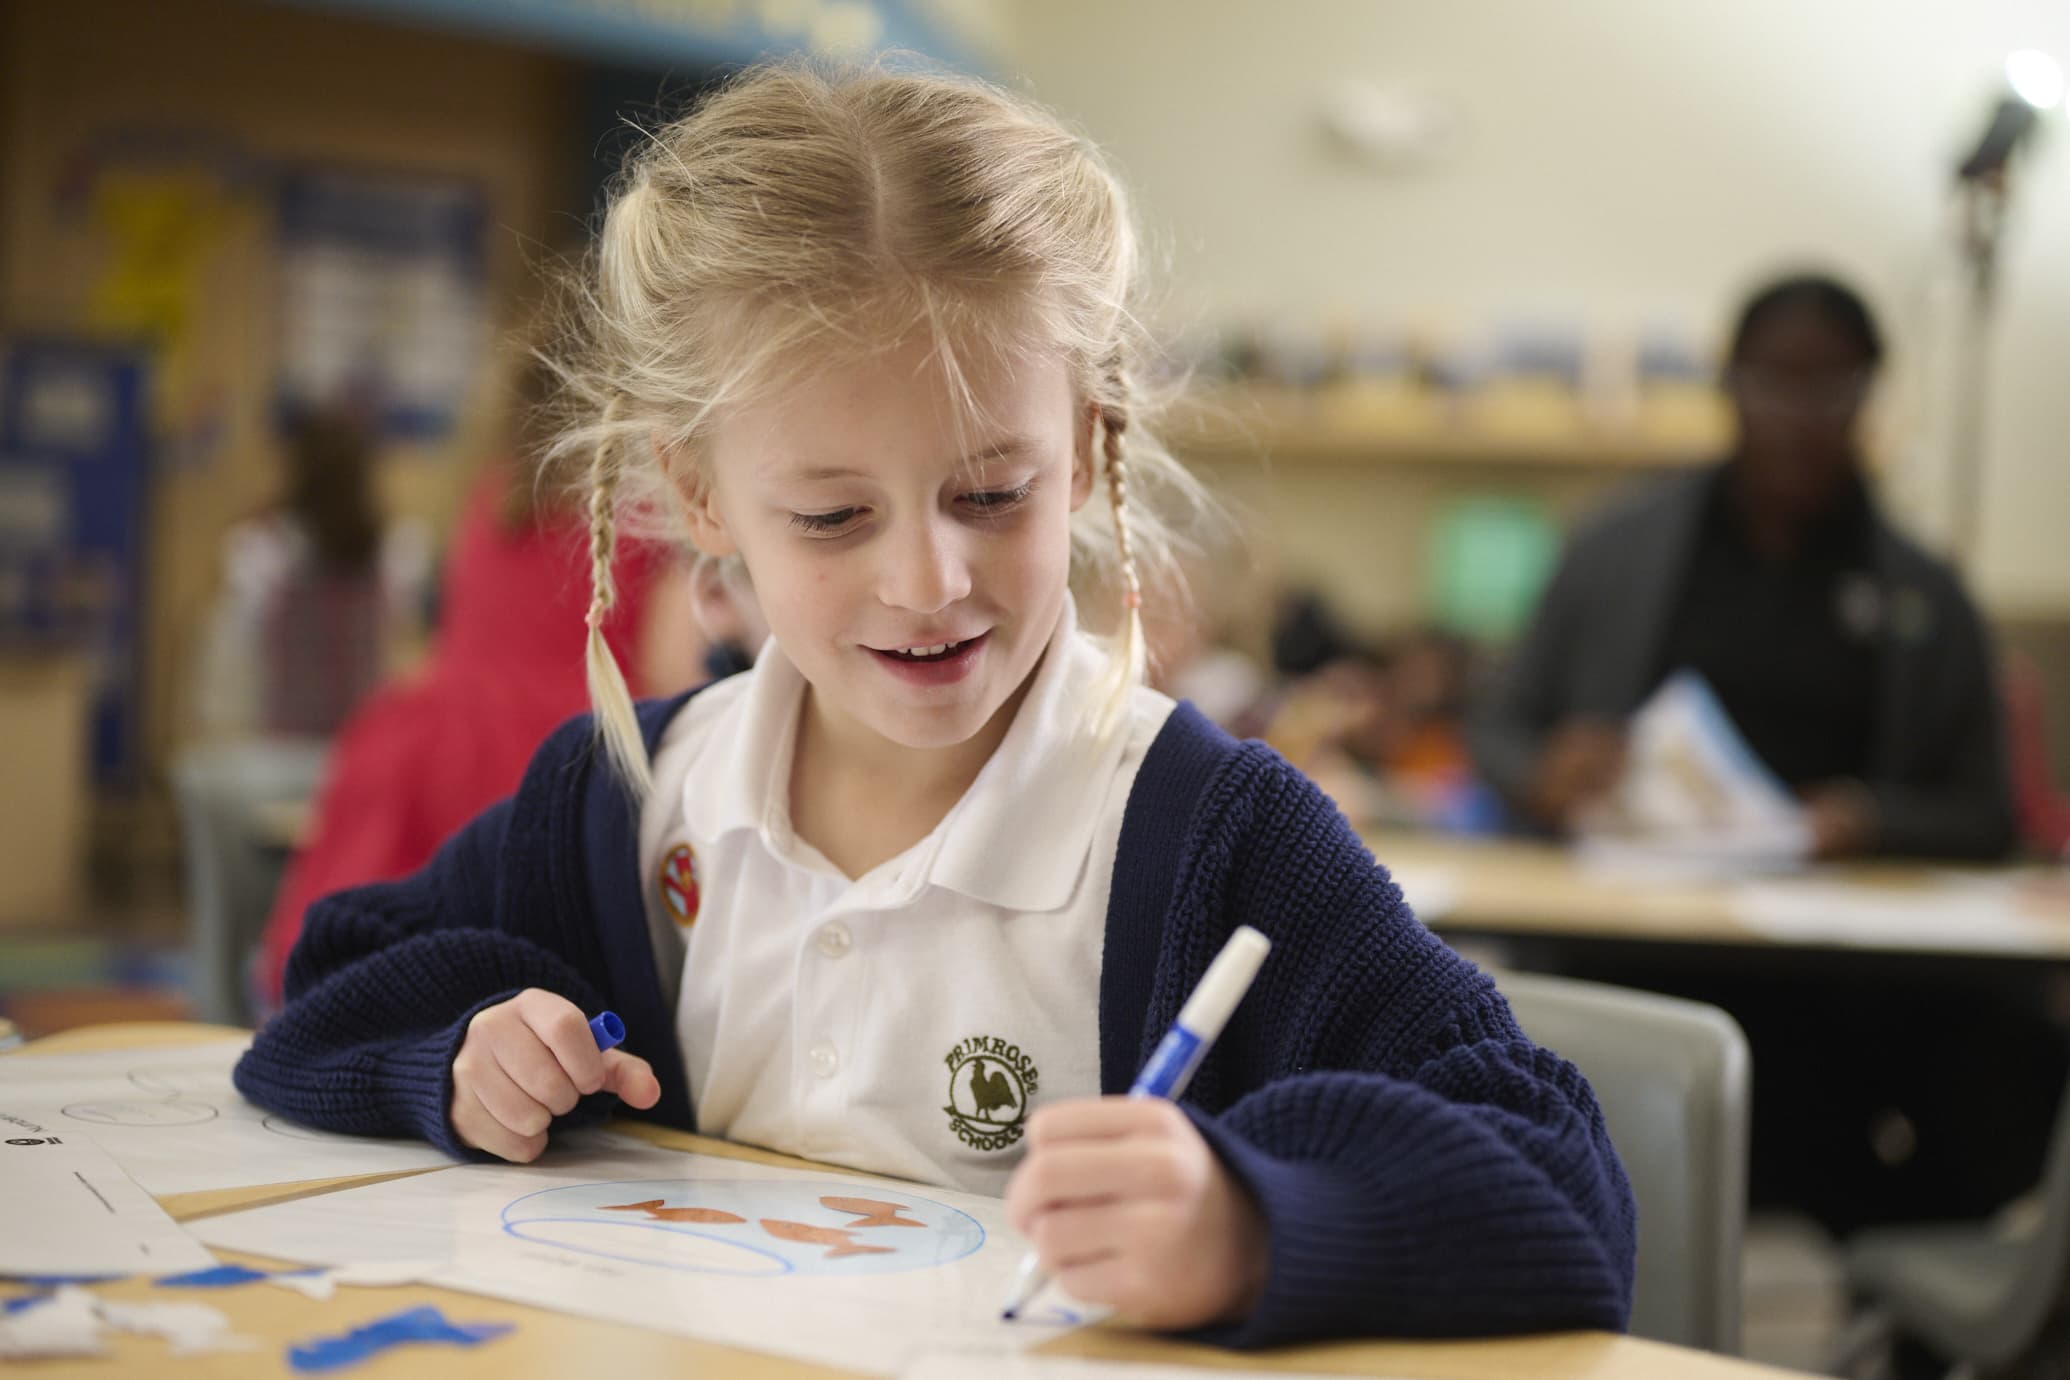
column 1694, row 796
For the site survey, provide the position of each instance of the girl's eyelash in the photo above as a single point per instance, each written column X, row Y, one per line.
column 999, row 500
column 989, row 502
column 823, row 523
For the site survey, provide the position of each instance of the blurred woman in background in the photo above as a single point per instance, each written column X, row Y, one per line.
column 321, row 599
column 1852, row 661
column 424, row 756
column 320, row 595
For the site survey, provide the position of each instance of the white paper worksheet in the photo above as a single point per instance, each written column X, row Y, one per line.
column 2004, row 912
column 1695, row 801
column 70, row 1211
column 828, row 1267
column 171, row 1118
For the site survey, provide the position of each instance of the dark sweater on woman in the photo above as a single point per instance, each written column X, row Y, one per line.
column 1422, row 1167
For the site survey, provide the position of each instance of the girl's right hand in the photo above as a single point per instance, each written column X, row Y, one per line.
column 526, row 1061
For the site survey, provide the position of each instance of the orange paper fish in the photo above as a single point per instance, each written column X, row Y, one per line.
column 872, row 1211
column 653, row 1208
column 840, row 1238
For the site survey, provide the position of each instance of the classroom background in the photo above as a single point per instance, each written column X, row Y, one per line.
column 1439, row 282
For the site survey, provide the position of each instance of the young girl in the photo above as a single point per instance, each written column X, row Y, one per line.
column 919, row 893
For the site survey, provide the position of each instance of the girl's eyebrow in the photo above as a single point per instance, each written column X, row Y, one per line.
column 1011, row 448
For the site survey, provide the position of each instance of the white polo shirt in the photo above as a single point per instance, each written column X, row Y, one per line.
column 902, row 1022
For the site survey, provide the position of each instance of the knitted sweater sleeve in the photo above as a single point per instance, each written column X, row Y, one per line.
column 1422, row 1167
column 385, row 978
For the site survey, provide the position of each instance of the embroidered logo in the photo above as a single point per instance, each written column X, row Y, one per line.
column 990, row 1082
column 679, row 888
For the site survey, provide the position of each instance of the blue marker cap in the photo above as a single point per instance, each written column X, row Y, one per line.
column 609, row 1030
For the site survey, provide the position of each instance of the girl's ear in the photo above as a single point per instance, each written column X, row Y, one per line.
column 1084, row 464
column 692, row 488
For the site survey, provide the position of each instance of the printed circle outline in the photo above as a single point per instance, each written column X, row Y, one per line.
column 84, row 1111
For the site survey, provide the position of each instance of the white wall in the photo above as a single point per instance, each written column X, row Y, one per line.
column 1629, row 161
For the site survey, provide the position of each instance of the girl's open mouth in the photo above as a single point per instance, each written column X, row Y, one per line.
column 944, row 663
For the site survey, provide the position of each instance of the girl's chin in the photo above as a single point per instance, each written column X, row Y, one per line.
column 931, row 731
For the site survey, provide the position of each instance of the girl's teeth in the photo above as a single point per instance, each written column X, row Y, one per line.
column 935, row 650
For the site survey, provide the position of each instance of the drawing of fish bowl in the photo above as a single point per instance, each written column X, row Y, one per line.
column 748, row 1227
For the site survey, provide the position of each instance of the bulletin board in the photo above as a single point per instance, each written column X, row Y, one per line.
column 74, row 471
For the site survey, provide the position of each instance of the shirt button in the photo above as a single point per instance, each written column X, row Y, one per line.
column 823, row 1059
column 834, row 939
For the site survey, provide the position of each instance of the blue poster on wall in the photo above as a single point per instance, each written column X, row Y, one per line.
column 74, row 465
column 383, row 296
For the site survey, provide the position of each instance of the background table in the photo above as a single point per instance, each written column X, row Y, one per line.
column 1513, row 887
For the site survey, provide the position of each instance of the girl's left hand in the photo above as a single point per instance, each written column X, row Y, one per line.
column 1129, row 1207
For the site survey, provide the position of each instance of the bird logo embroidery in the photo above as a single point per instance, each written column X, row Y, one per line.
column 679, row 888
column 990, row 1082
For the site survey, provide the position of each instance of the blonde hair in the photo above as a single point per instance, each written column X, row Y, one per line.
column 803, row 211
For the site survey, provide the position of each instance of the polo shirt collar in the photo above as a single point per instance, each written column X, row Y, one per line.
column 743, row 780
column 1019, row 837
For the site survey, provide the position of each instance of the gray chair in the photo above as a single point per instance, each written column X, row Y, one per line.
column 1980, row 1300
column 1672, row 1077
column 231, row 870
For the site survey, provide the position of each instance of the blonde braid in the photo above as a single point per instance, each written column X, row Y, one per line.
column 608, row 694
column 1130, row 652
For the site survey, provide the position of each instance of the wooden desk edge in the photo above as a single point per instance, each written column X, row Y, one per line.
column 1557, row 1356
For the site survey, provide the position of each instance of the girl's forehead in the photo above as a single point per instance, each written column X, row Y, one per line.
column 923, row 396
column 914, row 356
column 792, row 344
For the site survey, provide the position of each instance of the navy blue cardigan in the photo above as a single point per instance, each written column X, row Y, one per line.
column 1422, row 1167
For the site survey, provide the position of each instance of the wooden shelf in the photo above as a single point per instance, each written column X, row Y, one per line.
column 1519, row 428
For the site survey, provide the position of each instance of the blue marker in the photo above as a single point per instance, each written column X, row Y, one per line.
column 1172, row 1064
column 608, row 1029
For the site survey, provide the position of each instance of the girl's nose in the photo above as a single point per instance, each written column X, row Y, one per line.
column 924, row 570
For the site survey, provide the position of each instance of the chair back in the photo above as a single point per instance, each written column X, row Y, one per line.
column 1672, row 1078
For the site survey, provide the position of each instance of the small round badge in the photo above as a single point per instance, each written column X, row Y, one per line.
column 1858, row 600
column 679, row 889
